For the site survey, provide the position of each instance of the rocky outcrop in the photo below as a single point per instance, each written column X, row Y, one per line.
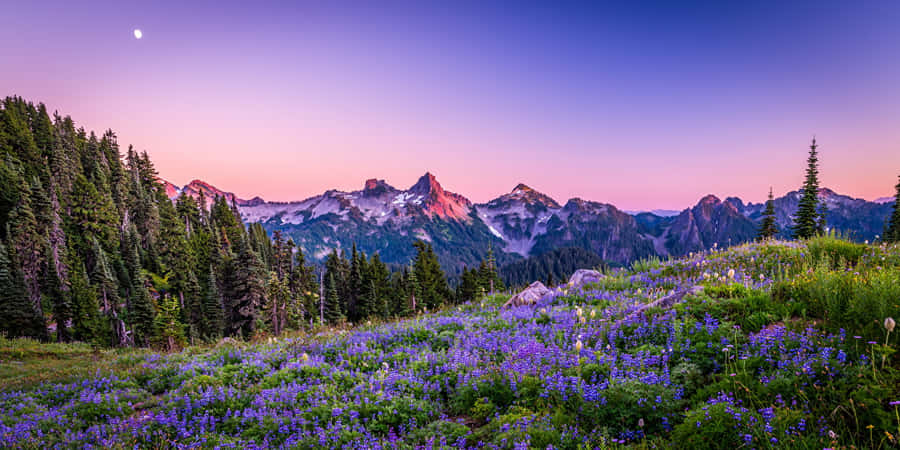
column 529, row 296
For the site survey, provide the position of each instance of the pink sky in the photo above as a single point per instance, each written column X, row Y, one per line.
column 639, row 108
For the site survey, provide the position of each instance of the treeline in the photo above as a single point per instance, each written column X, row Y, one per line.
column 809, row 220
column 552, row 267
column 92, row 249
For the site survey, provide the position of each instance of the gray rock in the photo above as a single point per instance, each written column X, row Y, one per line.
column 529, row 296
column 583, row 276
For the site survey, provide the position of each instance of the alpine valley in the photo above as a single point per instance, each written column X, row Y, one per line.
column 521, row 224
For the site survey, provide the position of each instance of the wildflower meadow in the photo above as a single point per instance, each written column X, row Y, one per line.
column 787, row 345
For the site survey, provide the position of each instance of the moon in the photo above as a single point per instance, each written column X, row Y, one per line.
column 138, row 33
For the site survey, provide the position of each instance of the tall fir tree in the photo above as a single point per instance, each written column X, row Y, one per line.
column 59, row 300
column 16, row 310
column 768, row 228
column 431, row 279
column 245, row 293
column 86, row 323
column 168, row 329
column 892, row 229
column 807, row 222
column 333, row 313
column 213, row 315
column 142, row 313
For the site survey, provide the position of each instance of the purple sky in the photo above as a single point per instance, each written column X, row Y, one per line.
column 647, row 106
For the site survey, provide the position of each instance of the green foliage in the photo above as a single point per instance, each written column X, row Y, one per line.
column 768, row 228
column 892, row 228
column 809, row 220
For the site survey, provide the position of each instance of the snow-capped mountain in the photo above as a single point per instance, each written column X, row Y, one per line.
column 377, row 202
column 519, row 224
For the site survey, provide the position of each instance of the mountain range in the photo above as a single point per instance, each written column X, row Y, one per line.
column 522, row 223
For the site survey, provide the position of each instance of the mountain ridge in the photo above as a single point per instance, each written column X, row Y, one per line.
column 521, row 223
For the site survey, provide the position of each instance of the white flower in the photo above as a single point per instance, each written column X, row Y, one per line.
column 304, row 357
column 889, row 324
column 593, row 313
column 543, row 310
column 761, row 277
column 578, row 346
column 730, row 273
column 641, row 423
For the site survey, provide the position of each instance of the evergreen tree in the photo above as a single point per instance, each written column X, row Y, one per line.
column 413, row 291
column 28, row 243
column 487, row 273
column 51, row 287
column 768, row 228
column 892, row 229
column 277, row 299
column 213, row 316
column 86, row 323
column 17, row 314
column 380, row 287
column 245, row 293
column 807, row 222
column 431, row 279
column 333, row 313
column 168, row 328
column 142, row 313
column 469, row 285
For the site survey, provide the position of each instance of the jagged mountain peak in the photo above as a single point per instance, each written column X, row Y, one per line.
column 527, row 195
column 427, row 184
column 709, row 199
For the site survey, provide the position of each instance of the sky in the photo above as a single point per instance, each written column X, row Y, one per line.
column 640, row 104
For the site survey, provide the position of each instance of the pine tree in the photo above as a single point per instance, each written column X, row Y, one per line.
column 807, row 222
column 277, row 298
column 380, row 287
column 51, row 287
column 333, row 313
column 892, row 229
column 17, row 314
column 768, row 227
column 488, row 275
column 431, row 279
column 28, row 243
column 245, row 293
column 167, row 327
column 469, row 285
column 142, row 313
column 192, row 311
column 213, row 315
column 86, row 323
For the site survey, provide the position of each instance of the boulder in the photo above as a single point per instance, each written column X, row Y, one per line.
column 529, row 296
column 583, row 276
